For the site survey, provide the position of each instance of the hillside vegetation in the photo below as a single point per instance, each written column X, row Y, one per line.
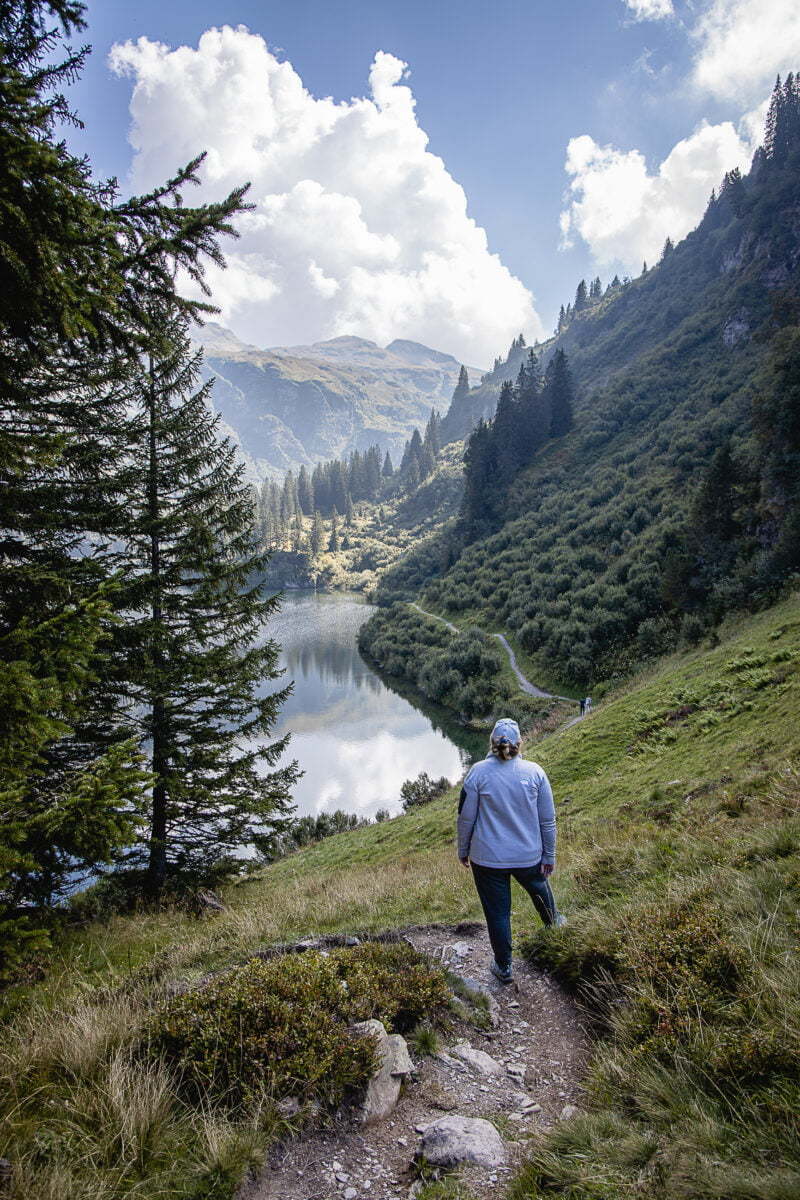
column 674, row 497
column 679, row 868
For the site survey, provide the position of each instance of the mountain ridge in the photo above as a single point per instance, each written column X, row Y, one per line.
column 294, row 406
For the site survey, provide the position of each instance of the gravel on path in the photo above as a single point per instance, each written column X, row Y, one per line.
column 540, row 1044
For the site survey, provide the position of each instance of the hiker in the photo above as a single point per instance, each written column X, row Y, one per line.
column 507, row 826
column 583, row 707
column 588, row 704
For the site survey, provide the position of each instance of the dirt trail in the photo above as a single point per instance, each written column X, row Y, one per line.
column 525, row 684
column 539, row 1035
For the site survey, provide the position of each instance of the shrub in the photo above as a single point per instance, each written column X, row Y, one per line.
column 422, row 790
column 281, row 1027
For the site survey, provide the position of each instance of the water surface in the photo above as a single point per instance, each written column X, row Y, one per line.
column 356, row 738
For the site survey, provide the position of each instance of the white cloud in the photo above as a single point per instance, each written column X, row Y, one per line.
column 650, row 10
column 743, row 44
column 624, row 212
column 358, row 227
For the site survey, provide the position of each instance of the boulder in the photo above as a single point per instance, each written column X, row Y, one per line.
column 383, row 1089
column 453, row 1140
column 477, row 1060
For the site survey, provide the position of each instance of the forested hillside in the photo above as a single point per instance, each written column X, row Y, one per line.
column 670, row 494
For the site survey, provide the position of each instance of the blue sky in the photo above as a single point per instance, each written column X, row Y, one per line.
column 502, row 91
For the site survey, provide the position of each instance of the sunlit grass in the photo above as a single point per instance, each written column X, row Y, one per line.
column 645, row 818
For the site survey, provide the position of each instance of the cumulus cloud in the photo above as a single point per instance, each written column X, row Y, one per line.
column 742, row 44
column 624, row 212
column 650, row 10
column 357, row 229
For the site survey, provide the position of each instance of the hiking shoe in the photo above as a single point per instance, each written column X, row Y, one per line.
column 560, row 920
column 504, row 974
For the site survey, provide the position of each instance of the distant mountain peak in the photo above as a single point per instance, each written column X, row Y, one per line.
column 417, row 352
column 347, row 341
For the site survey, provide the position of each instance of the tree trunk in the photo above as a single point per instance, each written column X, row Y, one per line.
column 157, row 860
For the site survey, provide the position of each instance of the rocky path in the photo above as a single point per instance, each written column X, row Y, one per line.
column 525, row 684
column 520, row 1072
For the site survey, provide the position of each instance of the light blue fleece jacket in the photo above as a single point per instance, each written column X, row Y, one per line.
column 506, row 815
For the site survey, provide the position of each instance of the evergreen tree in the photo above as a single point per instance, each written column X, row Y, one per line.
column 534, row 411
column 479, row 503
column 317, row 534
column 581, row 297
column 372, row 474
column 595, row 288
column 190, row 657
column 333, row 542
column 561, row 394
column 782, row 135
column 427, row 462
column 80, row 272
column 348, row 511
column 462, row 387
column 305, row 493
column 388, row 469
column 668, row 248
column 432, row 433
column 297, row 533
column 562, row 319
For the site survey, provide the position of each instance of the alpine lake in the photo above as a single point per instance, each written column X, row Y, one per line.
column 356, row 736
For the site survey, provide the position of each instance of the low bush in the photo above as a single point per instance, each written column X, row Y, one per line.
column 422, row 790
column 282, row 1027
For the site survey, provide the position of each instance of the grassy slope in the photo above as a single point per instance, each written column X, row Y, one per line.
column 684, row 768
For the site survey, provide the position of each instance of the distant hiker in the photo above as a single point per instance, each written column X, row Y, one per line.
column 588, row 703
column 507, row 826
column 583, row 707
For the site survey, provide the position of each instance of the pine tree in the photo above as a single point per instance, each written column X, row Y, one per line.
column 414, row 457
column 333, row 541
column 317, row 534
column 80, row 271
column 305, row 493
column 348, row 511
column 562, row 319
column 297, row 533
column 668, row 248
column 561, row 394
column 581, row 297
column 462, row 387
column 388, row 469
column 427, row 462
column 432, row 433
column 190, row 658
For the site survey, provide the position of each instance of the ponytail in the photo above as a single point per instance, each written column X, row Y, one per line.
column 504, row 749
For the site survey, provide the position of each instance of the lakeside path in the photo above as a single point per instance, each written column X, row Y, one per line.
column 529, row 688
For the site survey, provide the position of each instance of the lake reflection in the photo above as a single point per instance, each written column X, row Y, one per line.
column 356, row 739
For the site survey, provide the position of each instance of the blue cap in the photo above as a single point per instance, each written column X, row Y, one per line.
column 506, row 728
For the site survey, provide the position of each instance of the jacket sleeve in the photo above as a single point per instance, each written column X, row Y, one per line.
column 467, row 814
column 547, row 820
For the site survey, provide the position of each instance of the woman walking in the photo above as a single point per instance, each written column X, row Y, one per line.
column 507, row 826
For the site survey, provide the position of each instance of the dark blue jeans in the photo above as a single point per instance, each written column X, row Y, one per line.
column 494, row 890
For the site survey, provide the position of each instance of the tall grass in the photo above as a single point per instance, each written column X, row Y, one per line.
column 661, row 819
